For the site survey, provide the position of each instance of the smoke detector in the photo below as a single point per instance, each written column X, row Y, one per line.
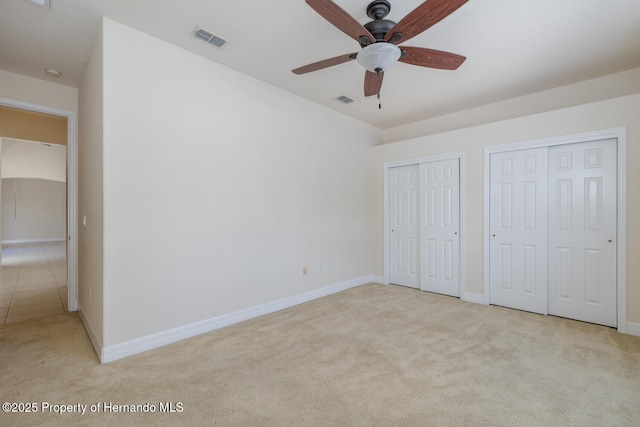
column 52, row 72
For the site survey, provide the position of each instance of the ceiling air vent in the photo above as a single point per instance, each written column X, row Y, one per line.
column 208, row 37
column 344, row 99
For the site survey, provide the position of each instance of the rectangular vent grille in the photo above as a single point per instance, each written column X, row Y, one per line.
column 208, row 37
column 344, row 99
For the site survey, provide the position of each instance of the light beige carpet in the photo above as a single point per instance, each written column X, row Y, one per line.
column 373, row 355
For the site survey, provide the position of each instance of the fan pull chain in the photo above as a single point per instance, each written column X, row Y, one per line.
column 379, row 102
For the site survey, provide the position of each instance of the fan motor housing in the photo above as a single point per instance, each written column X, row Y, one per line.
column 379, row 28
column 377, row 10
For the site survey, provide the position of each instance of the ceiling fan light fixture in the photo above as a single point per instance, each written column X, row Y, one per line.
column 378, row 56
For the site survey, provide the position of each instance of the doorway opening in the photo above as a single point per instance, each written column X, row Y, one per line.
column 46, row 200
column 33, row 276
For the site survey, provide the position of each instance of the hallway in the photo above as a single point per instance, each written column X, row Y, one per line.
column 33, row 280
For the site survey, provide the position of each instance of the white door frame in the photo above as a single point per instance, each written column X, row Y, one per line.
column 621, row 136
column 72, row 190
column 387, row 230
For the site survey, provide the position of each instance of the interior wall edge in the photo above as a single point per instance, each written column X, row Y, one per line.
column 96, row 343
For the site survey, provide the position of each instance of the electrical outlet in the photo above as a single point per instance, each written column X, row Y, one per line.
column 320, row 267
column 304, row 270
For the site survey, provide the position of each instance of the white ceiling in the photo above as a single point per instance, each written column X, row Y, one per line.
column 513, row 47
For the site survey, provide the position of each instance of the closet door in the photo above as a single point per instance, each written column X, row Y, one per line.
column 582, row 230
column 404, row 226
column 439, row 227
column 518, row 229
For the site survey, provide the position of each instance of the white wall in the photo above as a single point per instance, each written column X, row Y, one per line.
column 218, row 188
column 33, row 191
column 33, row 210
column 613, row 113
column 26, row 159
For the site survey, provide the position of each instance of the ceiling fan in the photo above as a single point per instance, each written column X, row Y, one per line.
column 379, row 38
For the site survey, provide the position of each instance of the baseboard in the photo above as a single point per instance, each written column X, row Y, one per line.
column 633, row 329
column 377, row 279
column 140, row 345
column 55, row 239
column 93, row 337
column 473, row 297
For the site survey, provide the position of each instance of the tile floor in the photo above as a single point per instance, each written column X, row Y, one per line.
column 33, row 280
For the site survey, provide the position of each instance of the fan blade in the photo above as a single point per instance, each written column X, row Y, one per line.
column 422, row 17
column 372, row 83
column 342, row 20
column 325, row 64
column 431, row 58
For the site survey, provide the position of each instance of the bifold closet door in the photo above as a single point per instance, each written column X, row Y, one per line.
column 582, row 231
column 439, row 203
column 404, row 226
column 518, row 229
